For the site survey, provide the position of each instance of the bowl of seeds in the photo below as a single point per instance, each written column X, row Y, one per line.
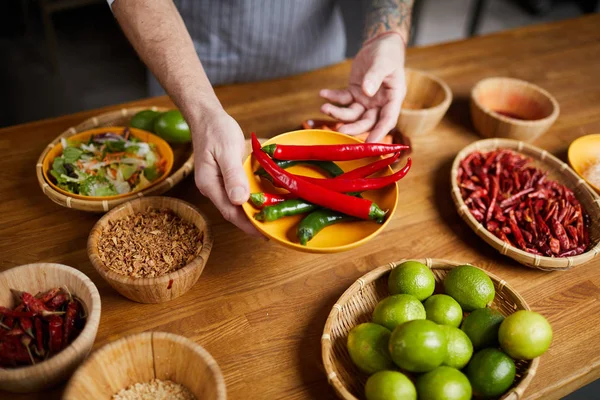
column 152, row 249
column 149, row 366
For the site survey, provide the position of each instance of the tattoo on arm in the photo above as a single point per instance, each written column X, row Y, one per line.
column 388, row 15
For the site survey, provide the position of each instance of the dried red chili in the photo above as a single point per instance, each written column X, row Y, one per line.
column 521, row 206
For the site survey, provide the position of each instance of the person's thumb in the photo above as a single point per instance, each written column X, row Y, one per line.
column 234, row 177
column 374, row 77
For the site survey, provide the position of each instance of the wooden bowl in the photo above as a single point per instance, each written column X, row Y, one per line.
column 512, row 108
column 339, row 237
column 427, row 100
column 356, row 306
column 162, row 147
column 145, row 356
column 165, row 287
column 183, row 163
column 584, row 152
column 34, row 278
column 558, row 171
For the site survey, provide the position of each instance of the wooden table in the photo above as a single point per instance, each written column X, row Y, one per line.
column 259, row 308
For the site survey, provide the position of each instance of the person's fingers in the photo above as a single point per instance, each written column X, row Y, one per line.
column 342, row 97
column 211, row 186
column 375, row 75
column 345, row 114
column 367, row 121
column 388, row 117
column 234, row 176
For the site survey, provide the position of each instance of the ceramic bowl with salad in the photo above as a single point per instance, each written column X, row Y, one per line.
column 107, row 163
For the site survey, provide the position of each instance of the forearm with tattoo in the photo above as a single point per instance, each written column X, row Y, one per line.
column 388, row 16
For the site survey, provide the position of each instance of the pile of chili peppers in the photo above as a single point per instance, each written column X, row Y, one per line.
column 39, row 326
column 328, row 200
column 517, row 203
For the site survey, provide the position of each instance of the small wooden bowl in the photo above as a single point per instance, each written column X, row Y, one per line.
column 34, row 278
column 584, row 152
column 558, row 171
column 427, row 100
column 512, row 108
column 165, row 287
column 143, row 357
column 183, row 164
column 356, row 306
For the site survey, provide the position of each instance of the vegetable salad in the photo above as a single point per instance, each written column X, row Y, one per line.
column 107, row 164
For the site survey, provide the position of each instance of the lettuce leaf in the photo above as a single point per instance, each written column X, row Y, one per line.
column 71, row 155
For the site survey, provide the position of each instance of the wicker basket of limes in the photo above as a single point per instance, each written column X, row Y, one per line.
column 432, row 328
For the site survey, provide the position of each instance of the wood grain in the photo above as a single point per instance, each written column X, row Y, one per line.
column 259, row 308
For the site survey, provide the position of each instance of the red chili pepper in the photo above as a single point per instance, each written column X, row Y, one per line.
column 69, row 325
column 561, row 235
column 55, row 330
column 340, row 184
column 27, row 325
column 45, row 297
column 32, row 303
column 57, row 301
column 354, row 206
column 16, row 314
column 335, row 152
column 514, row 227
column 260, row 200
column 369, row 169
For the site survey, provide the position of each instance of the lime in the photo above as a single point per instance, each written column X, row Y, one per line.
column 368, row 347
column 398, row 309
column 412, row 277
column 172, row 127
column 459, row 348
column 418, row 346
column 525, row 335
column 470, row 286
column 390, row 385
column 444, row 310
column 144, row 120
column 443, row 383
column 481, row 326
column 491, row 372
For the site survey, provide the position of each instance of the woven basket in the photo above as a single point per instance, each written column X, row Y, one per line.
column 183, row 165
column 356, row 306
column 558, row 171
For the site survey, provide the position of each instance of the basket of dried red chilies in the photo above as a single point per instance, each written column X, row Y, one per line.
column 49, row 315
column 526, row 203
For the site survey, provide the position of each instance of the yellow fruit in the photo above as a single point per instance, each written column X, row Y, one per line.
column 418, row 346
column 525, row 335
column 390, row 385
column 412, row 277
column 470, row 287
column 398, row 309
column 368, row 347
column 444, row 310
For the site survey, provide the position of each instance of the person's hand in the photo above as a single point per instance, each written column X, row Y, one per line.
column 376, row 89
column 219, row 175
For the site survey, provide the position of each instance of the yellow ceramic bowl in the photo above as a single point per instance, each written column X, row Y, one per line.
column 583, row 152
column 335, row 238
column 162, row 148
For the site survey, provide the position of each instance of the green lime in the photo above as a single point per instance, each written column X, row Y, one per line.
column 398, row 309
column 444, row 310
column 481, row 326
column 390, row 385
column 144, row 120
column 470, row 287
column 172, row 127
column 412, row 277
column 459, row 348
column 368, row 347
column 491, row 372
column 443, row 383
column 418, row 346
column 525, row 335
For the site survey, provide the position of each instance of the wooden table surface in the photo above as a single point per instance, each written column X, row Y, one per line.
column 259, row 308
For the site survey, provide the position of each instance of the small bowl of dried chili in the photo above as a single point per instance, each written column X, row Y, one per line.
column 152, row 249
column 49, row 319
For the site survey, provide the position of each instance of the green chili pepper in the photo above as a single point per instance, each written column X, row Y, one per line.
column 330, row 167
column 314, row 222
column 285, row 209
